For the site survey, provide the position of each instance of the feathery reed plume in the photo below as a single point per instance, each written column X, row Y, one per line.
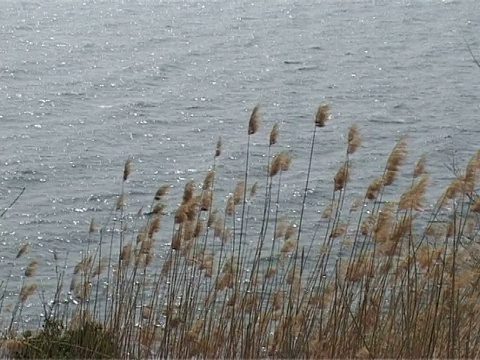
column 230, row 207
column 239, row 192
column 353, row 139
column 254, row 122
column 288, row 245
column 342, row 176
column 413, row 198
column 339, row 230
column 218, row 148
column 327, row 212
column 420, row 166
column 374, row 188
column 176, row 240
column 356, row 203
column 323, row 114
column 126, row 254
column 208, row 181
column 290, row 231
column 274, row 134
column 206, row 200
column 281, row 161
column 154, row 226
column 280, row 229
column 157, row 210
column 188, row 191
column 367, row 225
column 395, row 160
column 31, row 268
column 161, row 192
column 384, row 223
column 26, row 291
column 142, row 234
column 22, row 250
column 127, row 169
column 121, row 202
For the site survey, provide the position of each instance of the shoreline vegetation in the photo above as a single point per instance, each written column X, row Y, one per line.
column 236, row 286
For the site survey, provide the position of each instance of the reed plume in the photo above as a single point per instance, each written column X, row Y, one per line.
column 161, row 192
column 395, row 160
column 127, row 169
column 341, row 178
column 218, row 148
column 31, row 268
column 22, row 250
column 353, row 139
column 208, row 181
column 274, row 135
column 420, row 167
column 254, row 122
column 323, row 115
column 414, row 197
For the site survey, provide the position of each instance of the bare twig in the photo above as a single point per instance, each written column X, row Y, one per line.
column 12, row 203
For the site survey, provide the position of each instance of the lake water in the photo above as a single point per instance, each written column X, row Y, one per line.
column 85, row 85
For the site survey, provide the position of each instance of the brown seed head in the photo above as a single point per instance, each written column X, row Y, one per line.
column 126, row 254
column 395, row 160
column 254, row 122
column 383, row 224
column 253, row 190
column 323, row 114
column 158, row 209
column 154, row 226
column 161, row 192
column 230, row 207
column 281, row 161
column 208, row 181
column 420, row 166
column 22, row 250
column 341, row 178
column 239, row 192
column 353, row 139
column 188, row 191
column 274, row 134
column 218, row 148
column 26, row 291
column 374, row 188
column 290, row 231
column 127, row 169
column 413, row 198
column 288, row 245
column 206, row 200
column 31, row 268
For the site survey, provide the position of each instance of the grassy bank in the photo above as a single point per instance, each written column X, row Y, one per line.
column 376, row 278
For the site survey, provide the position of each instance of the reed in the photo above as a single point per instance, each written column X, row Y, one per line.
column 373, row 279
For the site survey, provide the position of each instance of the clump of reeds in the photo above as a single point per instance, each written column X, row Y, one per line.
column 373, row 280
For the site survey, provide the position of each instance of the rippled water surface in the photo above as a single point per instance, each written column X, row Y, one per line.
column 85, row 85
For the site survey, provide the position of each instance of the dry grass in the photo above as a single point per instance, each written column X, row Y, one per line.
column 404, row 287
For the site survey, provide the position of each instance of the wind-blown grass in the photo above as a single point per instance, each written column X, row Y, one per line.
column 374, row 280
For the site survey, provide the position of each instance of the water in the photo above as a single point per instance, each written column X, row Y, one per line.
column 86, row 85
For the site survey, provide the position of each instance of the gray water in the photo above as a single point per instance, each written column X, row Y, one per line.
column 86, row 85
